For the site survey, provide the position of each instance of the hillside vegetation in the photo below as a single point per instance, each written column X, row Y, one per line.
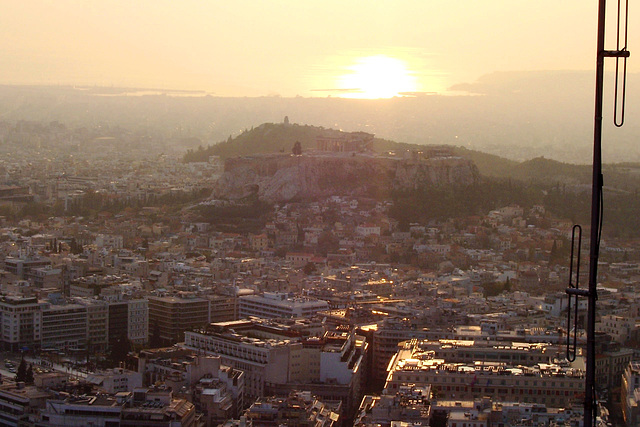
column 562, row 187
column 280, row 137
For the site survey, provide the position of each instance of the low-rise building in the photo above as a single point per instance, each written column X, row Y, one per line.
column 409, row 404
column 143, row 407
column 299, row 409
column 217, row 390
column 20, row 404
column 278, row 359
column 116, row 380
column 272, row 305
column 552, row 385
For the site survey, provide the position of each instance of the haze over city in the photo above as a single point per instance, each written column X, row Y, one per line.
column 329, row 214
column 531, row 62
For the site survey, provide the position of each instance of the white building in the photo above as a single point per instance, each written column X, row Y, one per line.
column 109, row 241
column 262, row 361
column 271, row 305
column 64, row 326
column 21, row 322
column 618, row 327
column 365, row 230
column 138, row 321
column 277, row 359
column 98, row 411
column 116, row 380
column 549, row 384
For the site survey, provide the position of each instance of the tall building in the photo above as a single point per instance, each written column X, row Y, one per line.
column 64, row 326
column 97, row 324
column 118, row 321
column 170, row 317
column 138, row 321
column 21, row 322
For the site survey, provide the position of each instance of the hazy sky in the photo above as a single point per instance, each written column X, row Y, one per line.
column 297, row 47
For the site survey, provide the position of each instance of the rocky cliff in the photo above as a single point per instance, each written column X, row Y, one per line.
column 278, row 178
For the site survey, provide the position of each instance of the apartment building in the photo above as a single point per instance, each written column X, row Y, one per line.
column 116, row 380
column 143, row 407
column 262, row 361
column 549, row 384
column 97, row 323
column 620, row 328
column 138, row 321
column 410, row 404
column 20, row 404
column 222, row 308
column 64, row 326
column 217, row 390
column 277, row 358
column 19, row 267
column 170, row 317
column 45, row 277
column 272, row 305
column 21, row 321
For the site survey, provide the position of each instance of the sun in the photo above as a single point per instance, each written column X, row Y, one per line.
column 377, row 76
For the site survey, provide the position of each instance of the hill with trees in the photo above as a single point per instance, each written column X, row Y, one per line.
column 562, row 187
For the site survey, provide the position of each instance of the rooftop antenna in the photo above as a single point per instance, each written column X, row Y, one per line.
column 574, row 291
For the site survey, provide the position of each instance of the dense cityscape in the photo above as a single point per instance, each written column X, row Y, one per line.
column 130, row 296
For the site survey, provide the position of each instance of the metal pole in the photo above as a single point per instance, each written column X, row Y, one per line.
column 596, row 194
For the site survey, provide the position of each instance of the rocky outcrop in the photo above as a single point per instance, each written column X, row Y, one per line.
column 277, row 178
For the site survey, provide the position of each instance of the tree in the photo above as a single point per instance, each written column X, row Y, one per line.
column 327, row 242
column 118, row 350
column 507, row 285
column 75, row 247
column 297, row 148
column 309, row 268
column 21, row 375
